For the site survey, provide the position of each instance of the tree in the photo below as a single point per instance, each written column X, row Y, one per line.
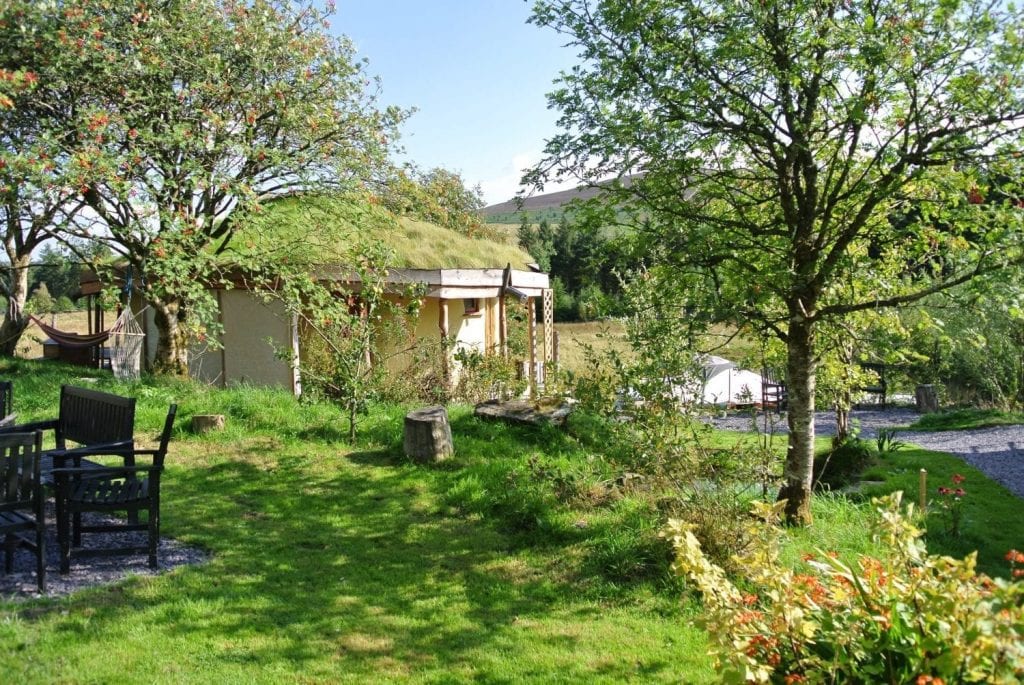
column 34, row 200
column 60, row 270
column 41, row 302
column 334, row 283
column 538, row 242
column 438, row 196
column 768, row 145
column 190, row 111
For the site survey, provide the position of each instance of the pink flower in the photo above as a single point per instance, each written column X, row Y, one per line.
column 957, row 479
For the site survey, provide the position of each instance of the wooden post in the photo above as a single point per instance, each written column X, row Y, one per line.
column 927, row 399
column 442, row 323
column 364, row 320
column 502, row 323
column 531, row 321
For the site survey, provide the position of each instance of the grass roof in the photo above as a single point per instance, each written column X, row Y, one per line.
column 325, row 229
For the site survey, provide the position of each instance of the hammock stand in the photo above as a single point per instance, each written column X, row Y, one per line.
column 126, row 344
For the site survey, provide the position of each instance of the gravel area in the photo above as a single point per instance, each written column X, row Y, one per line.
column 997, row 452
column 91, row 571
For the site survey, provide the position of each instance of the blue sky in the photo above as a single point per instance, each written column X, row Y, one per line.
column 476, row 72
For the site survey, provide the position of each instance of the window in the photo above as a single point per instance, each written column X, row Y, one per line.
column 470, row 305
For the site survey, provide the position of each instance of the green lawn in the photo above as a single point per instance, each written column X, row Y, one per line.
column 332, row 564
column 965, row 419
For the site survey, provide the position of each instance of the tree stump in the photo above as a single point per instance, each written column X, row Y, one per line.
column 204, row 423
column 428, row 435
column 927, row 399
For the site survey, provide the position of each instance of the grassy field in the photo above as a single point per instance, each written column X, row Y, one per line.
column 31, row 344
column 578, row 341
column 337, row 563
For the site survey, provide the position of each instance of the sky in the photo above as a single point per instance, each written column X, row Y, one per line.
column 477, row 74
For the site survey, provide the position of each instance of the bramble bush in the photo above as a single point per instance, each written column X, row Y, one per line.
column 909, row 617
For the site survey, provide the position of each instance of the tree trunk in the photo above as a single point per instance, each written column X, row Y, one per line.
column 15, row 320
column 842, row 422
column 844, row 395
column 799, row 467
column 171, row 348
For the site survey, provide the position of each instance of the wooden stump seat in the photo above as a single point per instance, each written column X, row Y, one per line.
column 428, row 435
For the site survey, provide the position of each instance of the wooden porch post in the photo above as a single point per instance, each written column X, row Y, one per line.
column 364, row 316
column 442, row 324
column 506, row 281
column 531, row 321
column 502, row 324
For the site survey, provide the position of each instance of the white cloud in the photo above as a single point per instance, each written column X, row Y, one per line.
column 504, row 185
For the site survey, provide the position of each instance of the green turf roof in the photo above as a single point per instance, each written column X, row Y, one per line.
column 316, row 221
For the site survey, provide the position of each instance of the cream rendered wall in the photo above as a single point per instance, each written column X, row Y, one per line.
column 465, row 331
column 468, row 331
column 247, row 356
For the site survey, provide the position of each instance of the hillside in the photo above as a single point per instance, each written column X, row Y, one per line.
column 536, row 207
column 538, row 203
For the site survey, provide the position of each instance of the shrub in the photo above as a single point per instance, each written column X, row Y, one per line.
column 908, row 617
column 844, row 464
column 951, row 505
column 888, row 443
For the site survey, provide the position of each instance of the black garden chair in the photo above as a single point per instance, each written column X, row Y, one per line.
column 130, row 488
column 22, row 500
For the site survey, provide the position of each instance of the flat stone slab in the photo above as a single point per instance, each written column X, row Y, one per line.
column 532, row 413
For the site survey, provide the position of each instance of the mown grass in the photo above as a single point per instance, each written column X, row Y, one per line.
column 991, row 524
column 965, row 419
column 519, row 559
column 333, row 564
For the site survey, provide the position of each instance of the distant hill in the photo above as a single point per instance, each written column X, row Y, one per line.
column 536, row 203
column 537, row 207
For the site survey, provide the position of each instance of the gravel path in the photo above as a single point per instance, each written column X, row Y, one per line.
column 90, row 571
column 997, row 452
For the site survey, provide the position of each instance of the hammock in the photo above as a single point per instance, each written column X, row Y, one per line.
column 74, row 340
column 125, row 347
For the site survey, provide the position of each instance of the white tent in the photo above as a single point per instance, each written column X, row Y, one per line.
column 722, row 383
column 727, row 384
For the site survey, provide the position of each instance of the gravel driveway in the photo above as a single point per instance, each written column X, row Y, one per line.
column 997, row 452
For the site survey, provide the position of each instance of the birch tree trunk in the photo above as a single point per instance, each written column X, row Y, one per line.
column 172, row 343
column 799, row 466
column 15, row 320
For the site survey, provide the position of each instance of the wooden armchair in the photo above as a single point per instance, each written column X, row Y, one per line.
column 86, row 418
column 129, row 488
column 6, row 403
column 22, row 499
column 773, row 390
